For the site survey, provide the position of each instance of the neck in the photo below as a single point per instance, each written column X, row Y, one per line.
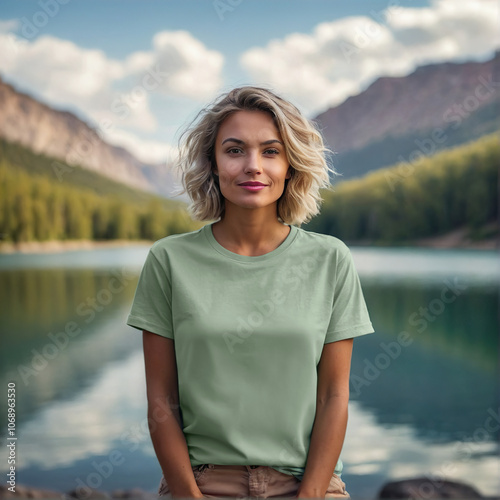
column 250, row 231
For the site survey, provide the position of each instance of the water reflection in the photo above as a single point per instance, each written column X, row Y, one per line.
column 374, row 453
column 444, row 326
column 93, row 421
column 422, row 265
column 413, row 407
column 63, row 327
column 445, row 379
column 34, row 301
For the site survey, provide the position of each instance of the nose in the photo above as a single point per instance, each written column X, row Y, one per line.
column 253, row 163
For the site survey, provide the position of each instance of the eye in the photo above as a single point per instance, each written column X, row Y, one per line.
column 271, row 151
column 234, row 150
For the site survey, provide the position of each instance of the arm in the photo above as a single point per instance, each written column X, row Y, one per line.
column 330, row 423
column 163, row 403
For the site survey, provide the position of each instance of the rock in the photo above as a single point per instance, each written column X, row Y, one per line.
column 136, row 493
column 76, row 494
column 88, row 494
column 423, row 487
column 26, row 492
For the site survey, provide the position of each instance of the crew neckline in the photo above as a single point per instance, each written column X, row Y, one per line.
column 207, row 230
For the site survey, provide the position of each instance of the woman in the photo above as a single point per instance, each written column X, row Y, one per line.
column 248, row 322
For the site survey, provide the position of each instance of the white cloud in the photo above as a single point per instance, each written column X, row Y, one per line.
column 59, row 70
column 340, row 58
column 402, row 453
column 147, row 151
column 198, row 72
column 182, row 65
column 91, row 424
column 117, row 92
column 8, row 25
column 64, row 75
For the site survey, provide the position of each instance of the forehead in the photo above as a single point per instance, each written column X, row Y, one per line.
column 249, row 124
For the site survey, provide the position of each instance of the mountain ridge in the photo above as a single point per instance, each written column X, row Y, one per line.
column 435, row 107
column 63, row 135
column 451, row 99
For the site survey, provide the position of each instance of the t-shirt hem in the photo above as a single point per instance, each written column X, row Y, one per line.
column 298, row 472
column 141, row 324
column 350, row 333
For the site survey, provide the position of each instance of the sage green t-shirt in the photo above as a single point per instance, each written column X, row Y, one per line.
column 248, row 334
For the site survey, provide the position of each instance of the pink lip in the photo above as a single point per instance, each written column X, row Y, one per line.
column 253, row 187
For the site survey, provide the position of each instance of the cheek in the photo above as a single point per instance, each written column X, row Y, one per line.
column 280, row 177
column 228, row 172
column 224, row 177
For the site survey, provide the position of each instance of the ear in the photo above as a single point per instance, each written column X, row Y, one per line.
column 289, row 172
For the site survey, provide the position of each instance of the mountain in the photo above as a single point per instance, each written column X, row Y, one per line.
column 64, row 136
column 451, row 197
column 402, row 119
column 392, row 121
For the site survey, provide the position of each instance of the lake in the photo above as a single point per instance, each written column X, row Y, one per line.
column 424, row 388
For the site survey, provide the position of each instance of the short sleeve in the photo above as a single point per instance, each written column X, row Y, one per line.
column 151, row 309
column 349, row 316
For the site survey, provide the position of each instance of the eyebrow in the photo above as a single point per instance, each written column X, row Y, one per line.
column 239, row 141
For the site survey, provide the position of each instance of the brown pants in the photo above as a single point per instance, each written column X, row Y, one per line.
column 243, row 481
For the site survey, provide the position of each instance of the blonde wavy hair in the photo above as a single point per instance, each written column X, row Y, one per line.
column 304, row 147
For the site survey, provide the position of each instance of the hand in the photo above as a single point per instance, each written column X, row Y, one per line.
column 198, row 494
column 193, row 494
column 308, row 494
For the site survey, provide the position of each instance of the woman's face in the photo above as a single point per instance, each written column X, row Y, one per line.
column 250, row 160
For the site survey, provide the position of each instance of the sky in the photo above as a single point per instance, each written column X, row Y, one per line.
column 139, row 70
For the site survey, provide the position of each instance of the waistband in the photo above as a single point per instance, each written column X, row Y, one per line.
column 233, row 467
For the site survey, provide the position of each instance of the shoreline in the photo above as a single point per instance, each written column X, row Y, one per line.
column 459, row 239
column 56, row 246
column 453, row 240
column 403, row 488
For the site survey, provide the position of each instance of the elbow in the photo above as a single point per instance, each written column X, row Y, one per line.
column 339, row 397
column 161, row 408
column 165, row 401
column 158, row 417
column 162, row 395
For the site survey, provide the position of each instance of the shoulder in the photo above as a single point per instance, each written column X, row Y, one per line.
column 332, row 245
column 176, row 243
